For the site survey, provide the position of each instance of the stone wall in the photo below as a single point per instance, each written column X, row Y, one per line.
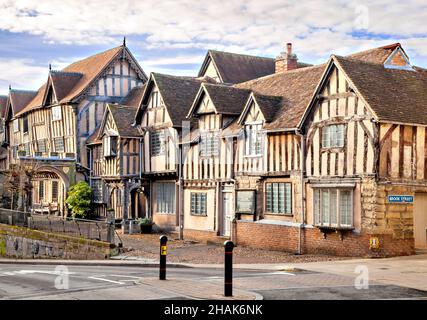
column 19, row 242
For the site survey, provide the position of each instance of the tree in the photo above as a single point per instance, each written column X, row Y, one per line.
column 79, row 200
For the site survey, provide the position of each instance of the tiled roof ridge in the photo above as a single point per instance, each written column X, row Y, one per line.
column 92, row 56
column 66, row 72
column 23, row 91
column 240, row 54
column 354, row 60
column 389, row 46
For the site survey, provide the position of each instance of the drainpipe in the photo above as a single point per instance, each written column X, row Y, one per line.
column 181, row 194
column 302, row 163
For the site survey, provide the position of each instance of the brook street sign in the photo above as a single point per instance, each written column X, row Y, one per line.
column 400, row 199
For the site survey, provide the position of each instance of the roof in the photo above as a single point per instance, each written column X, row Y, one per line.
column 235, row 68
column 375, row 55
column 64, row 82
column 177, row 93
column 227, row 99
column 123, row 117
column 268, row 105
column 20, row 98
column 296, row 88
column 73, row 80
column 394, row 95
column 93, row 138
column 134, row 96
column 3, row 103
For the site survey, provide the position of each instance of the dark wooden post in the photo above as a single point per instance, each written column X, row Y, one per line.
column 228, row 268
column 163, row 253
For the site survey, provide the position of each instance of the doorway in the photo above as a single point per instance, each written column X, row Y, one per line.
column 420, row 220
column 137, row 204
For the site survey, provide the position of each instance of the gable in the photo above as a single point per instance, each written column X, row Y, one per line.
column 398, row 60
column 253, row 114
column 211, row 72
column 204, row 104
column 50, row 97
column 108, row 127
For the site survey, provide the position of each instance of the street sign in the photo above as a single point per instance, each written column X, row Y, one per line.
column 400, row 199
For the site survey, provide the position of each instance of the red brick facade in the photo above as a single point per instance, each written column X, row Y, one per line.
column 281, row 237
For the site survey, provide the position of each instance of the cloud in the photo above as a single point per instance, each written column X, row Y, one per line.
column 175, row 29
column 21, row 74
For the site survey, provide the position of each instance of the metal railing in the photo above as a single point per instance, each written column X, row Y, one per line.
column 82, row 228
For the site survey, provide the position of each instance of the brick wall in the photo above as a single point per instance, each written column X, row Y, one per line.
column 200, row 235
column 281, row 237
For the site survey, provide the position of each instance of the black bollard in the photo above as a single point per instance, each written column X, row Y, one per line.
column 228, row 268
column 163, row 253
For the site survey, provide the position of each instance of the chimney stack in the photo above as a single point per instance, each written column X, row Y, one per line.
column 286, row 60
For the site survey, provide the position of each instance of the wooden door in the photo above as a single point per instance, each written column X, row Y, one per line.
column 227, row 206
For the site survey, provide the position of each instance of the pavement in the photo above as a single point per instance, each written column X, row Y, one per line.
column 134, row 278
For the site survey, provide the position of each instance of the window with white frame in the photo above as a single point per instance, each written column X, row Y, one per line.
column 253, row 139
column 209, row 144
column 110, row 146
column 157, row 143
column 333, row 207
column 59, row 144
column 27, row 148
column 198, row 203
column 56, row 113
column 333, row 136
column 165, row 197
column 278, row 197
column 16, row 125
column 97, row 190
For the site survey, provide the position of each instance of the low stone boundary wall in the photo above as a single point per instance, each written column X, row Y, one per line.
column 20, row 242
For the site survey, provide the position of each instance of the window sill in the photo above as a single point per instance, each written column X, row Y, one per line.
column 332, row 149
column 198, row 215
column 252, row 156
column 280, row 214
column 341, row 230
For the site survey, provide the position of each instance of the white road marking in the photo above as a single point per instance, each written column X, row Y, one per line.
column 107, row 280
column 255, row 275
column 122, row 276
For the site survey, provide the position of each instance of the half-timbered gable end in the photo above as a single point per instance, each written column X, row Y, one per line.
column 215, row 108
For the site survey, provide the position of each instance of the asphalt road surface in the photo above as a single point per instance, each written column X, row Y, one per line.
column 18, row 281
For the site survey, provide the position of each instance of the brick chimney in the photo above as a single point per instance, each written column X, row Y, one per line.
column 286, row 60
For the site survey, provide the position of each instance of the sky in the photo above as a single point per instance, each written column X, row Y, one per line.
column 173, row 36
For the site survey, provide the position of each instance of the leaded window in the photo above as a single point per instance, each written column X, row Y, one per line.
column 278, row 198
column 55, row 191
column 333, row 207
column 198, row 203
column 165, row 197
column 333, row 136
column 253, row 140
column 59, row 144
column 157, row 143
column 209, row 144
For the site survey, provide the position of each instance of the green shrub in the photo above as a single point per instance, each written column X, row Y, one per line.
column 79, row 200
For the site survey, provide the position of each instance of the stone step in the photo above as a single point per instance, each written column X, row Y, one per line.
column 421, row 251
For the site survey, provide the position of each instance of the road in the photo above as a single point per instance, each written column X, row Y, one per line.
column 18, row 281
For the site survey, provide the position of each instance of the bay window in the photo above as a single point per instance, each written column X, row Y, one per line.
column 333, row 207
